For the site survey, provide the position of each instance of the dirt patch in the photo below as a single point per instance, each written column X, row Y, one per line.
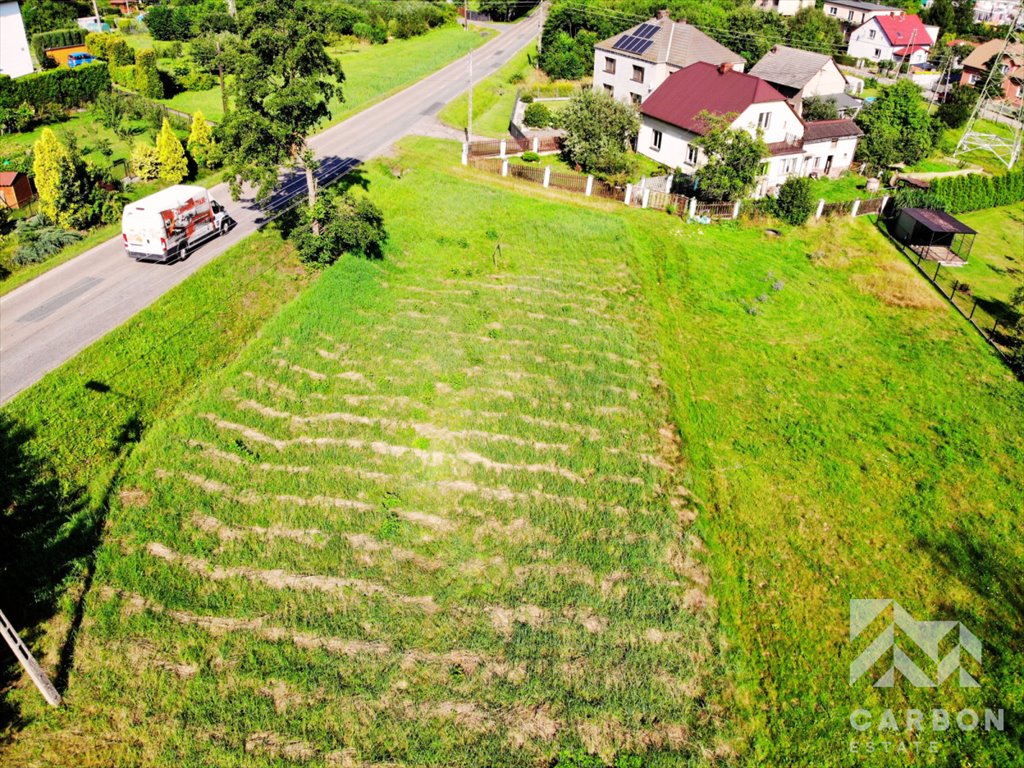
column 251, row 497
column 428, row 520
column 284, row 698
column 280, row 747
column 696, row 600
column 606, row 738
column 526, row 724
column 214, row 452
column 355, row 376
column 275, row 387
column 520, row 531
column 315, row 375
column 279, row 579
column 133, row 497
column 311, row 537
column 465, row 714
column 504, row 620
column 366, row 543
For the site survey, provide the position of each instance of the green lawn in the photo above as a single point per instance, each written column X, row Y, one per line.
column 493, row 97
column 609, row 487
column 849, row 186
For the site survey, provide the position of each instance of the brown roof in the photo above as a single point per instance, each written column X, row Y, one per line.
column 821, row 130
column 699, row 87
column 7, row 178
column 979, row 57
column 675, row 42
column 937, row 221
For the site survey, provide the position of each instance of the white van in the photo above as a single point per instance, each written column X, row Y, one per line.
column 163, row 226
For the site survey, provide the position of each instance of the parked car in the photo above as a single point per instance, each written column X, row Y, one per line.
column 78, row 59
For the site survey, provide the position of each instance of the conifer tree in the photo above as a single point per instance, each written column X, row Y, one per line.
column 173, row 165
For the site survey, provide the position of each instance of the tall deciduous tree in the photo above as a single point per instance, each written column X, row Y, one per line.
column 58, row 182
column 733, row 159
column 897, row 127
column 812, row 30
column 284, row 83
column 598, row 132
column 173, row 165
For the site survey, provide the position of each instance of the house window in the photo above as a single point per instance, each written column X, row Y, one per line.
column 764, row 119
column 871, row 36
column 638, row 74
column 656, row 140
column 878, row 53
column 832, row 11
column 974, row 79
column 636, row 98
column 609, row 65
column 850, row 16
column 608, row 89
column 817, row 162
column 691, row 154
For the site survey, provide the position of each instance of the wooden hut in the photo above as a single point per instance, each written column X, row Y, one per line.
column 933, row 235
column 15, row 189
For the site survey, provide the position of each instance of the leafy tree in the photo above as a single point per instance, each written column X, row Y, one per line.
column 993, row 80
column 170, row 155
column 733, row 159
column 337, row 224
column 795, row 203
column 941, row 14
column 201, row 144
column 963, row 17
column 145, row 162
column 957, row 107
column 897, row 127
column 568, row 58
column 47, row 15
column 57, row 178
column 818, row 108
column 537, row 116
column 751, row 32
column 812, row 30
column 166, row 22
column 505, row 10
column 147, row 76
column 284, row 82
column 599, row 131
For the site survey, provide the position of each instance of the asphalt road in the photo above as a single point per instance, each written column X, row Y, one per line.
column 47, row 321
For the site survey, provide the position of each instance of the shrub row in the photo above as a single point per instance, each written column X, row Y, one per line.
column 959, row 194
column 64, row 87
column 113, row 49
column 58, row 38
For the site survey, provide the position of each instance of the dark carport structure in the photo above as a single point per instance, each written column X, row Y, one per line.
column 933, row 235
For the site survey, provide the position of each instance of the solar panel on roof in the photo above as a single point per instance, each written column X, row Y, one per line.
column 646, row 31
column 620, row 44
column 632, row 44
column 644, row 45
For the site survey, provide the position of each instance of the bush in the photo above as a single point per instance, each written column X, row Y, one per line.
column 531, row 157
column 147, row 76
column 123, row 76
column 145, row 162
column 55, row 39
column 168, row 23
column 972, row 192
column 347, row 224
column 38, row 240
column 795, row 203
column 64, row 87
column 113, row 49
column 526, row 98
column 537, row 116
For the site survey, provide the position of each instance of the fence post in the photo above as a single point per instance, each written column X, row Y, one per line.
column 736, row 210
column 935, row 277
column 881, row 210
column 502, row 148
column 856, row 207
column 504, row 167
column 693, row 207
column 629, row 194
column 668, row 183
column 536, row 144
column 547, row 175
column 590, row 186
column 971, row 316
column 465, row 153
column 821, row 208
column 645, row 197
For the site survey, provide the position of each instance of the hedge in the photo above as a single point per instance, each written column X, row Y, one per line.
column 65, row 87
column 959, row 194
column 58, row 38
column 113, row 49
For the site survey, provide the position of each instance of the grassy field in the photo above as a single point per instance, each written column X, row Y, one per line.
column 494, row 96
column 607, row 488
column 996, row 264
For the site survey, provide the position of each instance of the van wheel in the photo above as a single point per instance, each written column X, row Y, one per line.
column 223, row 228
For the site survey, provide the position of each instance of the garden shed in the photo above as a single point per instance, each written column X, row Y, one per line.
column 15, row 189
column 933, row 235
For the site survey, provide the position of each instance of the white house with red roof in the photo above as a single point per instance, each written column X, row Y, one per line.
column 672, row 120
column 897, row 37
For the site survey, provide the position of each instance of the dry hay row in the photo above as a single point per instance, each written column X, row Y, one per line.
column 555, row 323
column 382, row 448
column 520, row 301
column 423, row 429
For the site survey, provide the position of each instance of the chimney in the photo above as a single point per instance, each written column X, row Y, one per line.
column 724, row 67
column 663, row 14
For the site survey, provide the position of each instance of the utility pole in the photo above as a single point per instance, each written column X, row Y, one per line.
column 469, row 119
column 96, row 11
column 465, row 13
column 220, row 73
column 910, row 52
column 28, row 661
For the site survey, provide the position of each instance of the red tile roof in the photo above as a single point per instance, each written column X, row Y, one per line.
column 899, row 30
column 7, row 178
column 699, row 87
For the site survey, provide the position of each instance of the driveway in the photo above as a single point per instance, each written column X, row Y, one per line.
column 49, row 320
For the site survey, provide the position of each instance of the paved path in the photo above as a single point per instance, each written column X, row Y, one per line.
column 47, row 321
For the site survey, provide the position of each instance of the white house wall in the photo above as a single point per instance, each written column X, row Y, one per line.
column 15, row 59
column 622, row 84
column 828, row 81
column 864, row 46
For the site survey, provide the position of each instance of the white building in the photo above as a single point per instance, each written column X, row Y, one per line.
column 853, row 13
column 784, row 7
column 631, row 65
column 799, row 74
column 671, row 123
column 15, row 59
column 893, row 38
column 996, row 12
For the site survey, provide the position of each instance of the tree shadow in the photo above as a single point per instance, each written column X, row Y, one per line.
column 45, row 530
